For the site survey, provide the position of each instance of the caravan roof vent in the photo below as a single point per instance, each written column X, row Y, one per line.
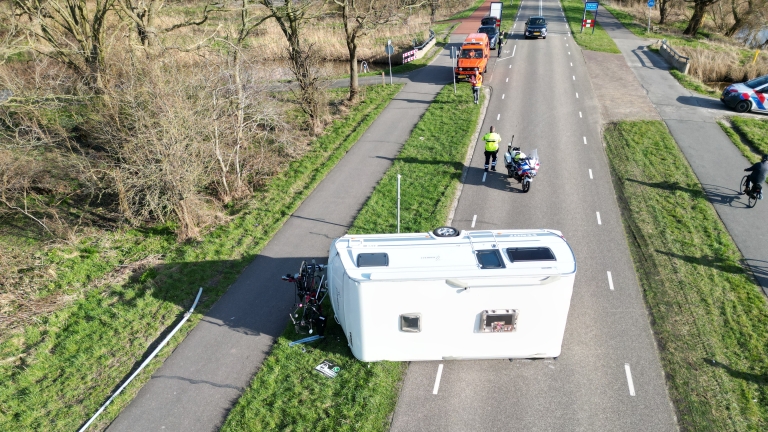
column 490, row 259
column 379, row 259
column 530, row 254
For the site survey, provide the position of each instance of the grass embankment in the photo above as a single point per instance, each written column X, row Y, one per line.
column 709, row 317
column 287, row 394
column 56, row 373
column 750, row 136
column 467, row 12
column 693, row 84
column 597, row 41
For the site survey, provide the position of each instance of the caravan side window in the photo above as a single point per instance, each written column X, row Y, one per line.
column 530, row 254
column 490, row 259
column 380, row 259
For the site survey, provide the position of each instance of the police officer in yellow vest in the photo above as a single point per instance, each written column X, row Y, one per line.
column 492, row 140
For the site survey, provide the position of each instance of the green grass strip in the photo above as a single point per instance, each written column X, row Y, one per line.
column 709, row 317
column 56, row 374
column 754, row 131
column 693, row 84
column 745, row 149
column 467, row 12
column 597, row 41
column 286, row 393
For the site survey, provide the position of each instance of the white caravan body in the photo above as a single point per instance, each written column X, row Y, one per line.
column 496, row 12
column 478, row 295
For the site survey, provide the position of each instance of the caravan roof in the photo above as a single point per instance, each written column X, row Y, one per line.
column 475, row 254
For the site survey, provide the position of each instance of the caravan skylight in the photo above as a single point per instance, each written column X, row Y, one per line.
column 380, row 259
column 530, row 254
column 489, row 259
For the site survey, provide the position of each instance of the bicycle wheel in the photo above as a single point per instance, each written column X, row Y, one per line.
column 752, row 199
column 743, row 183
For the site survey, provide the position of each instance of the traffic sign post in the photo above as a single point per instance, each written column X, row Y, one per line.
column 390, row 50
column 589, row 6
column 650, row 5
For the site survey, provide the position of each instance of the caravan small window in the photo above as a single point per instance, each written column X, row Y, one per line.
column 530, row 254
column 373, row 260
column 489, row 259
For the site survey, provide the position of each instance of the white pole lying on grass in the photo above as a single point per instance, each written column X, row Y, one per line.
column 398, row 203
column 146, row 362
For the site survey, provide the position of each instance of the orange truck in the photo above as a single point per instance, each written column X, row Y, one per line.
column 473, row 57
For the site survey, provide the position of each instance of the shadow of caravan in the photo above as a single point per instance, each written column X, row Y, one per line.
column 452, row 295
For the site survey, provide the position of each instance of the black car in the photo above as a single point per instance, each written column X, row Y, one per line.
column 536, row 26
column 493, row 34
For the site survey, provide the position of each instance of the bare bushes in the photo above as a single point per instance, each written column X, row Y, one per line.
column 181, row 141
column 721, row 65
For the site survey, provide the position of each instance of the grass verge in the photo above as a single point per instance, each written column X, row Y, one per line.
column 467, row 12
column 286, row 393
column 709, row 317
column 56, row 373
column 597, row 41
column 693, row 84
column 754, row 131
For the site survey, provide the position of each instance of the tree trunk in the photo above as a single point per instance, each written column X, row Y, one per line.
column 663, row 10
column 354, row 87
column 699, row 12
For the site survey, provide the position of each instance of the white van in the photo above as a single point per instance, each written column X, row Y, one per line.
column 452, row 295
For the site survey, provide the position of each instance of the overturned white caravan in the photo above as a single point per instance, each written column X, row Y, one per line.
column 452, row 295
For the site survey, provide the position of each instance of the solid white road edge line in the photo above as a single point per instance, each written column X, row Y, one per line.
column 629, row 379
column 610, row 281
column 599, row 222
column 437, row 378
column 590, row 174
column 474, row 219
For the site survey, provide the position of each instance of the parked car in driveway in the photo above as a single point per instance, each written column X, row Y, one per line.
column 493, row 34
column 747, row 96
column 536, row 26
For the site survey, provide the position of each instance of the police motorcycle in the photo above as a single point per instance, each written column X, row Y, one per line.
column 521, row 167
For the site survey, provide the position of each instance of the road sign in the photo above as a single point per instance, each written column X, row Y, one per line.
column 651, row 3
column 389, row 49
column 587, row 23
column 590, row 6
column 409, row 56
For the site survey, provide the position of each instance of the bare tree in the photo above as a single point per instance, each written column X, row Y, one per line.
column 699, row 13
column 291, row 17
column 359, row 18
column 664, row 8
column 75, row 30
column 145, row 13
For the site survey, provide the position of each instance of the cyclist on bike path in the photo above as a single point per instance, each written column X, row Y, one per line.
column 759, row 173
column 492, row 140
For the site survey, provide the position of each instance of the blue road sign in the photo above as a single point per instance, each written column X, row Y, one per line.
column 590, row 6
column 651, row 3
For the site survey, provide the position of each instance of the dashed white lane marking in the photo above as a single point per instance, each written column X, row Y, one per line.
column 566, row 44
column 569, row 53
column 510, row 66
column 599, row 222
column 484, row 174
column 502, row 96
column 590, row 174
column 574, row 77
column 437, row 379
column 577, row 95
column 580, row 114
column 585, row 138
column 513, row 51
column 571, row 64
column 629, row 379
column 610, row 281
column 498, row 116
column 507, row 79
column 474, row 219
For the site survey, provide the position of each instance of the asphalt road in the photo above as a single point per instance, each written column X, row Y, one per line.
column 200, row 382
column 719, row 165
column 608, row 377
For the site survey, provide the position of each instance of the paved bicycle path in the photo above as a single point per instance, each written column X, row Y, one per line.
column 198, row 384
column 692, row 120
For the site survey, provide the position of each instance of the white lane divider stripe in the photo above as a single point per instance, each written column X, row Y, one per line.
column 629, row 379
column 569, row 53
column 577, row 95
column 498, row 116
column 513, row 52
column 580, row 114
column 585, row 138
column 507, row 79
column 502, row 96
column 571, row 64
column 574, row 77
column 510, row 66
column 437, row 378
column 610, row 281
column 599, row 222
column 590, row 174
column 474, row 219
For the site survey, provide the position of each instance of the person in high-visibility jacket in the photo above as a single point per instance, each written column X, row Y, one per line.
column 477, row 83
column 492, row 140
